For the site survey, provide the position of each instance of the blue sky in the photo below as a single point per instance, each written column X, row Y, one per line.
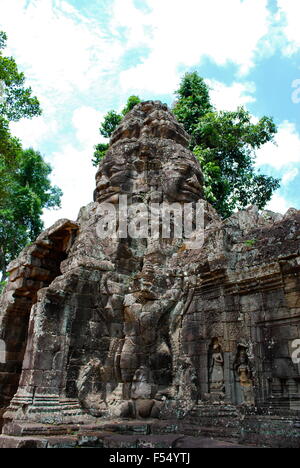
column 85, row 57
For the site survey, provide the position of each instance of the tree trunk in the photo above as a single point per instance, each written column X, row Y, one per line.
column 2, row 268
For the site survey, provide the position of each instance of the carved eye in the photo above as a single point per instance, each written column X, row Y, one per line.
column 184, row 169
column 113, row 170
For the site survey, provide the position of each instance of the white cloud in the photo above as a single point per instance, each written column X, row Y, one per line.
column 278, row 204
column 65, row 54
column 136, row 23
column 290, row 9
column 184, row 34
column 32, row 132
column 74, row 174
column 296, row 92
column 289, row 176
column 230, row 97
column 86, row 120
column 60, row 49
column 286, row 151
column 156, row 75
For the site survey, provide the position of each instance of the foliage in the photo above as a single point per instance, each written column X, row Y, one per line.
column 111, row 121
column 250, row 242
column 10, row 149
column 16, row 101
column 25, row 187
column 131, row 102
column 193, row 102
column 3, row 39
column 99, row 153
column 2, row 284
column 28, row 192
column 225, row 144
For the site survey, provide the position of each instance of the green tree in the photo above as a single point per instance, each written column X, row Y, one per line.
column 99, row 153
column 16, row 101
column 25, row 187
column 131, row 103
column 28, row 191
column 110, row 123
column 193, row 102
column 10, row 149
column 3, row 39
column 111, row 120
column 225, row 144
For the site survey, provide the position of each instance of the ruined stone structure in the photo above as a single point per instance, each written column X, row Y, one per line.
column 147, row 334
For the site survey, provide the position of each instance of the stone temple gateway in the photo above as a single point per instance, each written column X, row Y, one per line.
column 146, row 338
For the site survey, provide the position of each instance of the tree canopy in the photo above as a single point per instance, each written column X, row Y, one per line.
column 225, row 144
column 193, row 102
column 16, row 101
column 25, row 187
column 28, row 191
column 111, row 120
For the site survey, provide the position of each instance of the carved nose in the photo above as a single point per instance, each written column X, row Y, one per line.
column 194, row 181
column 108, row 307
column 103, row 183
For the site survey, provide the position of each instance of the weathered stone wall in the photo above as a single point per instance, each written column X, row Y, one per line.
column 34, row 270
column 247, row 295
column 149, row 327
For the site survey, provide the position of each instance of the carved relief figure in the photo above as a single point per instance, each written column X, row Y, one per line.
column 187, row 382
column 216, row 369
column 143, row 392
column 243, row 371
column 119, row 326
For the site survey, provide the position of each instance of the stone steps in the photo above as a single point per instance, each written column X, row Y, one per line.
column 113, row 441
column 115, row 434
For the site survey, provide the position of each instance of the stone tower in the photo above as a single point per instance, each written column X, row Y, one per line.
column 147, row 327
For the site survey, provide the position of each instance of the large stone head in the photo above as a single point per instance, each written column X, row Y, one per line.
column 148, row 160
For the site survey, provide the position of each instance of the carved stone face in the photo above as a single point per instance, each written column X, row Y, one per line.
column 136, row 170
column 183, row 181
column 243, row 357
column 149, row 156
column 141, row 374
column 112, row 178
